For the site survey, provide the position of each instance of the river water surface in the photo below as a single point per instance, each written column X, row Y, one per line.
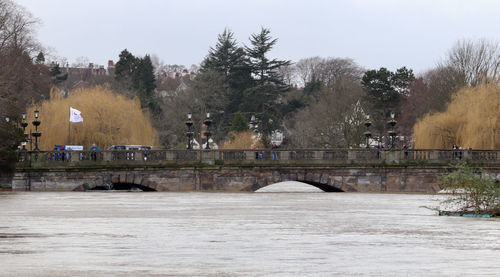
column 240, row 234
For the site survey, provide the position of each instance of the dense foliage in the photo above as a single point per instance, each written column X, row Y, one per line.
column 471, row 119
column 471, row 192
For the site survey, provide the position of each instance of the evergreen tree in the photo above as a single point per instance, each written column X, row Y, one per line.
column 138, row 74
column 144, row 83
column 230, row 60
column 312, row 86
column 56, row 74
column 263, row 68
column 226, row 55
column 40, row 58
column 384, row 91
column 261, row 99
column 125, row 67
column 239, row 123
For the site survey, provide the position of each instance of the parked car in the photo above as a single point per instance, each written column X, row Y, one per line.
column 129, row 147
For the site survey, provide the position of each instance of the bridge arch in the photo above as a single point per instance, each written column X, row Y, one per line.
column 296, row 186
column 323, row 182
column 118, row 182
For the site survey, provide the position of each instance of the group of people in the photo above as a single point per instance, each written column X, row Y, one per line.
column 66, row 156
column 274, row 155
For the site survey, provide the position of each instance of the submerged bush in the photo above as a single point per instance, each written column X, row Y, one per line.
column 471, row 192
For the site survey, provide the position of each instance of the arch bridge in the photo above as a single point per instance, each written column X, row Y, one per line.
column 332, row 170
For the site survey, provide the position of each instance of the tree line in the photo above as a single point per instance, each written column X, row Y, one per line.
column 318, row 102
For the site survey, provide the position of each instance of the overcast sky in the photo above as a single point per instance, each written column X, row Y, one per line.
column 375, row 33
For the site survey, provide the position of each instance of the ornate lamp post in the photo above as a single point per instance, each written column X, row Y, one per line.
column 207, row 133
column 189, row 133
column 368, row 134
column 253, row 123
column 392, row 133
column 24, row 124
column 36, row 133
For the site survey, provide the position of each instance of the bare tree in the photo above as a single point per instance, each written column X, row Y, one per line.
column 306, row 69
column 80, row 62
column 17, row 28
column 288, row 74
column 477, row 61
column 334, row 71
column 333, row 119
column 327, row 70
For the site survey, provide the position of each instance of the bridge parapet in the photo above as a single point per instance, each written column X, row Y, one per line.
column 302, row 157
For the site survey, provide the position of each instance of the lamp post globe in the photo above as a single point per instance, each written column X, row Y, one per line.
column 24, row 124
column 207, row 133
column 368, row 134
column 36, row 133
column 189, row 133
column 392, row 133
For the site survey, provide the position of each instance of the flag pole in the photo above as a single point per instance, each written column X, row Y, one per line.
column 69, row 127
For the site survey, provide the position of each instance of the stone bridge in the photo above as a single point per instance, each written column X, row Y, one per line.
column 331, row 170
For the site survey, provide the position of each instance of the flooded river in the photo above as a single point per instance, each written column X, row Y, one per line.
column 240, row 234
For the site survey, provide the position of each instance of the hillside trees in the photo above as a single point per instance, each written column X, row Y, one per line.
column 21, row 80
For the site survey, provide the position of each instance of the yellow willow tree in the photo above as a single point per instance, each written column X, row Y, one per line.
column 242, row 140
column 472, row 119
column 108, row 119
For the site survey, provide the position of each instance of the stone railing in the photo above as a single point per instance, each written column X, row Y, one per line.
column 302, row 157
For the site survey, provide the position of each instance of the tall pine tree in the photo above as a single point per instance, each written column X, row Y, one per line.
column 264, row 68
column 261, row 98
column 125, row 67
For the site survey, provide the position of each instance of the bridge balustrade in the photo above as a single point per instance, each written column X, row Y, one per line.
column 55, row 156
column 486, row 155
column 230, row 155
column 123, row 155
column 416, row 155
column 255, row 157
column 90, row 155
column 366, row 155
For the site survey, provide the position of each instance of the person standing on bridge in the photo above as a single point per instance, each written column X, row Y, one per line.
column 273, row 148
column 94, row 148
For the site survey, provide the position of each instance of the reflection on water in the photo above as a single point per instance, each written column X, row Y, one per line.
column 243, row 234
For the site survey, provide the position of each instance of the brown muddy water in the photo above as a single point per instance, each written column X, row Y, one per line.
column 240, row 234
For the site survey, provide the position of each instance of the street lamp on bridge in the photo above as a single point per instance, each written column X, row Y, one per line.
column 36, row 133
column 24, row 124
column 368, row 134
column 207, row 133
column 392, row 133
column 189, row 133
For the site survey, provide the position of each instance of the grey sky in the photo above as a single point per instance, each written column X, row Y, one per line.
column 389, row 33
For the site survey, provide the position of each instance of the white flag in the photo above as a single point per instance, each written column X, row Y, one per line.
column 75, row 115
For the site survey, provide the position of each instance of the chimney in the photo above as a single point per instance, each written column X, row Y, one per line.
column 111, row 63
